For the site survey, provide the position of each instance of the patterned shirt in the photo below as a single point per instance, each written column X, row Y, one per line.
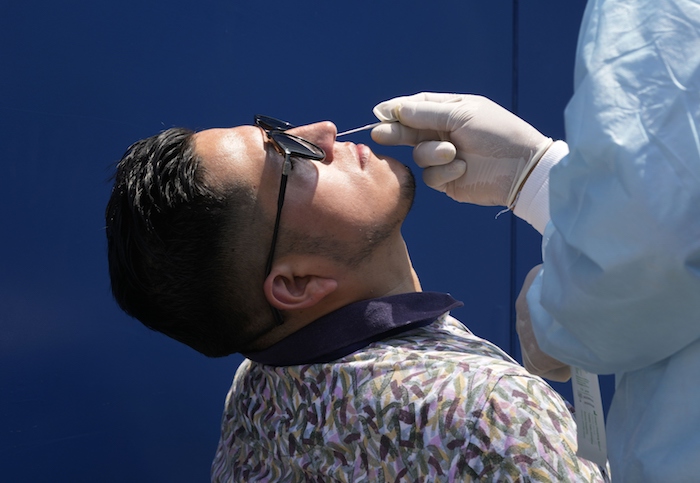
column 431, row 403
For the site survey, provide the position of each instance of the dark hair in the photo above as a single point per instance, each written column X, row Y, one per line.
column 182, row 255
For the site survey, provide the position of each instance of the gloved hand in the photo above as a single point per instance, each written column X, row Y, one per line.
column 471, row 148
column 534, row 360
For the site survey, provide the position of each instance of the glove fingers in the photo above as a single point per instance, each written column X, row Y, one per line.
column 436, row 97
column 388, row 110
column 437, row 177
column 434, row 153
column 562, row 374
column 540, row 364
column 427, row 115
column 393, row 134
column 534, row 360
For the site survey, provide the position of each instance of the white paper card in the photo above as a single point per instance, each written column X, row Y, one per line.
column 590, row 421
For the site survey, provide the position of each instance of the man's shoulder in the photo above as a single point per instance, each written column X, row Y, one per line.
column 444, row 355
column 446, row 342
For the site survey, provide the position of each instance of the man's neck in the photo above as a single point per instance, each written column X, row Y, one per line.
column 388, row 272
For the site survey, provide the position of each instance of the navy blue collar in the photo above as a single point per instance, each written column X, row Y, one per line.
column 355, row 326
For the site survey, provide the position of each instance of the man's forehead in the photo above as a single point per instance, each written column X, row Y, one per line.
column 230, row 152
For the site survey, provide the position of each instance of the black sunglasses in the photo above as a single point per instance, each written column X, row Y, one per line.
column 290, row 146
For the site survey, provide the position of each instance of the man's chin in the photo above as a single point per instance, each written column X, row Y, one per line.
column 408, row 188
column 407, row 183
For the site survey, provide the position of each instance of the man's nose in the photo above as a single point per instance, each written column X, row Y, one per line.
column 322, row 134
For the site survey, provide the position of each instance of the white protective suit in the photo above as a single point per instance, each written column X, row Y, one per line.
column 620, row 288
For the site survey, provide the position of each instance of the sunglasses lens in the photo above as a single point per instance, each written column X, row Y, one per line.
column 297, row 146
column 272, row 124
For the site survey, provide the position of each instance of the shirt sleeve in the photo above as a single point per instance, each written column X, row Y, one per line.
column 620, row 285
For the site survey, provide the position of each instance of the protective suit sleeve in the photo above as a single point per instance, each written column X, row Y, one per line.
column 620, row 288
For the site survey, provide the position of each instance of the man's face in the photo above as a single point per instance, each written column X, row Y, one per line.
column 352, row 198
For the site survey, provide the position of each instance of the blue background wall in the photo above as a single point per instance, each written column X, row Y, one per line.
column 88, row 394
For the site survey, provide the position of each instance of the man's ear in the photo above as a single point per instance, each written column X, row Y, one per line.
column 286, row 290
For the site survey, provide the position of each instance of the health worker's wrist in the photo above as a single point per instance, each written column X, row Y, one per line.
column 532, row 204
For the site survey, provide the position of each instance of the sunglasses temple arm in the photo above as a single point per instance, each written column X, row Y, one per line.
column 280, row 201
column 287, row 166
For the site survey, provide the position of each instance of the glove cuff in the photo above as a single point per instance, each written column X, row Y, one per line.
column 525, row 172
column 532, row 203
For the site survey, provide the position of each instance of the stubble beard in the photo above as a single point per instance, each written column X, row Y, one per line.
column 354, row 254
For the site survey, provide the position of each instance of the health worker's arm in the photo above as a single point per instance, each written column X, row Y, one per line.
column 620, row 288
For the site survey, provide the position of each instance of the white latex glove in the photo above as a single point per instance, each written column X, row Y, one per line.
column 471, row 148
column 534, row 360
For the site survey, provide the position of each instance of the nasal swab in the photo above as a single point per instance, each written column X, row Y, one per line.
column 363, row 128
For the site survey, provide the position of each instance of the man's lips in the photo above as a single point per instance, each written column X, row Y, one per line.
column 363, row 154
